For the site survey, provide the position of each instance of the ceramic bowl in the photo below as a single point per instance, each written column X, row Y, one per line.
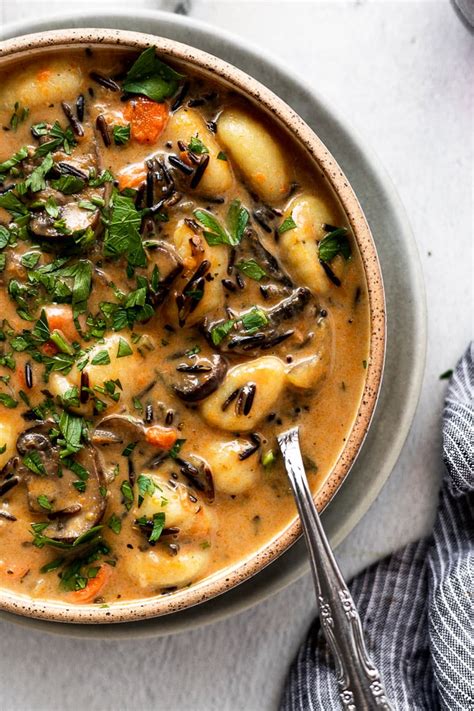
column 318, row 154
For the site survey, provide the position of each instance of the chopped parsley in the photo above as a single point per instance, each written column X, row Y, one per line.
column 176, row 448
column 151, row 77
column 33, row 461
column 68, row 184
column 20, row 114
column 122, row 234
column 123, row 349
column 446, row 375
column 334, row 243
column 121, row 134
column 44, row 502
column 115, row 524
column 196, row 146
column 127, row 494
column 287, row 224
column 236, row 222
column 155, row 526
column 251, row 321
column 146, row 485
column 101, row 358
column 252, row 269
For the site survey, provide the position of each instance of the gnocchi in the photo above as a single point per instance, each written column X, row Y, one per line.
column 299, row 246
column 186, row 125
column 261, row 380
column 256, row 153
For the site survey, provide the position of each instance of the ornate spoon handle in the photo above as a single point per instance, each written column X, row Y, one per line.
column 359, row 681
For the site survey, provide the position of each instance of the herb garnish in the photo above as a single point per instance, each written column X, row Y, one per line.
column 44, row 502
column 251, row 269
column 334, row 243
column 146, row 485
column 115, row 524
column 196, row 146
column 251, row 321
column 287, row 224
column 20, row 114
column 127, row 494
column 122, row 234
column 236, row 222
column 121, row 134
column 151, row 77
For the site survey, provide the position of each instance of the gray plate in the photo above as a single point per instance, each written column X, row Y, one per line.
column 406, row 317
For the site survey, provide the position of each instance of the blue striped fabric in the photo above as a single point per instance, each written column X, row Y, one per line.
column 416, row 605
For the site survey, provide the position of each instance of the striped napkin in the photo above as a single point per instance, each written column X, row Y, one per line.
column 416, row 605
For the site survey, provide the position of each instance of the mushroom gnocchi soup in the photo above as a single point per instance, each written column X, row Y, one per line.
column 178, row 286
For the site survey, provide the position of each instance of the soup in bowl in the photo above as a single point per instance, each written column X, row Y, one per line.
column 185, row 273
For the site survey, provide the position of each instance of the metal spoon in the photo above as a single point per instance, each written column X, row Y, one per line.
column 359, row 681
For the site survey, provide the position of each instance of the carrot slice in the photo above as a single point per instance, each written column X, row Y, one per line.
column 132, row 176
column 147, row 118
column 60, row 318
column 94, row 585
column 163, row 437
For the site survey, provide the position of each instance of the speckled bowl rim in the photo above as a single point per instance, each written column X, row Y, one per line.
column 227, row 578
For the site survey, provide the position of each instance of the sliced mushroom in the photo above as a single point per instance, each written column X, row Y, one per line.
column 240, row 341
column 72, row 513
column 198, row 473
column 169, row 265
column 289, row 307
column 266, row 258
column 202, row 377
column 117, row 429
column 72, row 218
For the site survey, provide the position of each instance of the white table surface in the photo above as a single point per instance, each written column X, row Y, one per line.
column 400, row 71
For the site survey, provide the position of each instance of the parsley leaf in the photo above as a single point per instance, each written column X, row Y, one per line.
column 70, row 428
column 196, row 146
column 123, row 348
column 158, row 526
column 30, row 259
column 176, row 448
column 254, row 319
column 251, row 321
column 115, row 524
column 146, row 485
column 334, row 243
column 121, row 134
column 219, row 332
column 151, row 77
column 251, row 269
column 122, row 235
column 36, row 181
column 127, row 494
column 44, row 502
column 101, row 358
column 68, row 184
column 287, row 224
column 14, row 160
column 236, row 221
column 33, row 461
column 8, row 401
column 214, row 232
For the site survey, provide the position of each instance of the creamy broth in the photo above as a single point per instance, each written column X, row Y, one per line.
column 178, row 285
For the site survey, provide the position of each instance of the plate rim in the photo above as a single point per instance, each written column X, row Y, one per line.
column 159, row 18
